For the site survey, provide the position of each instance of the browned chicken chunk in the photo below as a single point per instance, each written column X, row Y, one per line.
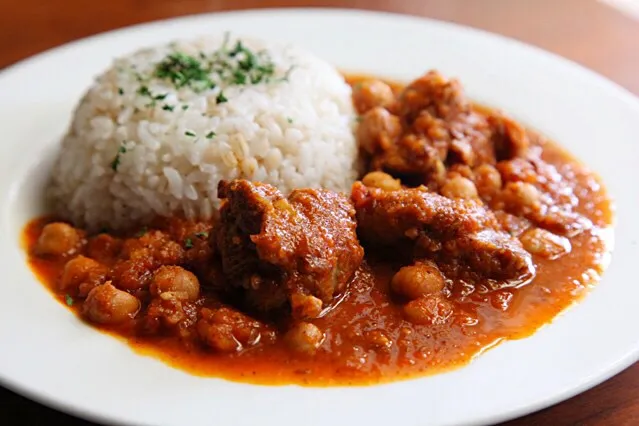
column 432, row 125
column 299, row 251
column 461, row 235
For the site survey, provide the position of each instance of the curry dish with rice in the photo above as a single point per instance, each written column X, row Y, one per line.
column 464, row 230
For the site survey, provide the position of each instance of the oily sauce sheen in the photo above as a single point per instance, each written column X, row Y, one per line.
column 367, row 338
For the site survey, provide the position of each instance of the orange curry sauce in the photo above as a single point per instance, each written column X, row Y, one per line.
column 352, row 356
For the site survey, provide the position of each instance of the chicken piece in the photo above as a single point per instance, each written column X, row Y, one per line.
column 304, row 337
column 534, row 189
column 437, row 108
column 509, row 137
column 300, row 250
column 434, row 94
column 431, row 125
column 461, row 235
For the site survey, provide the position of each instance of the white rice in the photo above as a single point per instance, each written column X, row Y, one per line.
column 294, row 131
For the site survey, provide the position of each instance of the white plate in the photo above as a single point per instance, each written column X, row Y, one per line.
column 48, row 354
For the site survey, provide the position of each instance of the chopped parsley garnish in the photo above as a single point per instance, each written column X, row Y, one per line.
column 116, row 161
column 69, row 300
column 188, row 243
column 289, row 119
column 144, row 91
column 358, row 118
column 237, row 49
column 237, row 65
column 120, row 91
column 189, row 133
column 239, row 77
column 210, row 135
column 221, row 98
column 141, row 232
column 231, row 64
column 184, row 70
column 202, row 234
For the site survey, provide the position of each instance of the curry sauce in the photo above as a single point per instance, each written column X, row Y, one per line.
column 367, row 338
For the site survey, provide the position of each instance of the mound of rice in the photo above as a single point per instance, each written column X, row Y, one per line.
column 158, row 130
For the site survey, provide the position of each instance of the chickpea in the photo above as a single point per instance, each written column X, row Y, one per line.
column 487, row 179
column 304, row 337
column 418, row 280
column 459, row 187
column 378, row 130
column 82, row 270
column 432, row 309
column 381, row 180
column 545, row 244
column 58, row 239
column 305, row 306
column 105, row 304
column 177, row 280
column 523, row 195
column 369, row 94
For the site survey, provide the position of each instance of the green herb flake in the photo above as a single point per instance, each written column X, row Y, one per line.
column 239, row 77
column 210, row 135
column 188, row 243
column 160, row 97
column 120, row 91
column 168, row 107
column 237, row 49
column 229, row 65
column 68, row 299
column 185, row 107
column 184, row 70
column 289, row 119
column 144, row 91
column 189, row 133
column 116, row 161
column 358, row 119
column 202, row 234
column 220, row 99
column 141, row 232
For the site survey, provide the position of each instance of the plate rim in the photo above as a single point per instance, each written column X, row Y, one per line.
column 620, row 92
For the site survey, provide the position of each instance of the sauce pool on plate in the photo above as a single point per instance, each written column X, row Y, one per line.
column 376, row 331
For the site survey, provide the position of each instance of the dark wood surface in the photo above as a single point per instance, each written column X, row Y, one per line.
column 585, row 31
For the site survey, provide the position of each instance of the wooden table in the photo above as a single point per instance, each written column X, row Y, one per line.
column 585, row 31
